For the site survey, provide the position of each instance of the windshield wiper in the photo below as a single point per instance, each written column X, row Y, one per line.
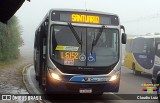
column 97, row 37
column 75, row 33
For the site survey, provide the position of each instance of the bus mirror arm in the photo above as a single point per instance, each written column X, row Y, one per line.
column 122, row 27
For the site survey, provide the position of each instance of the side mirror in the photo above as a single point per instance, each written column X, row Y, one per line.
column 124, row 38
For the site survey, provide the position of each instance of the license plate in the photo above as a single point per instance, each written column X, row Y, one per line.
column 85, row 90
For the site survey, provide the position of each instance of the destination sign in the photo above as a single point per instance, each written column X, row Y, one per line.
column 84, row 17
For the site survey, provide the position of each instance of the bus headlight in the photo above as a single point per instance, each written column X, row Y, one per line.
column 54, row 75
column 114, row 77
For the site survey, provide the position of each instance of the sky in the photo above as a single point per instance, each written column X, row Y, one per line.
column 138, row 16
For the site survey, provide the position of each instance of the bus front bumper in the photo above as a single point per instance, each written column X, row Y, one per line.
column 60, row 87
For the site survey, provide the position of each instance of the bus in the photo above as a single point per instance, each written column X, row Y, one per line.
column 78, row 51
column 140, row 53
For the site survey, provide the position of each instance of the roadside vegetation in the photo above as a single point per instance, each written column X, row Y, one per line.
column 10, row 41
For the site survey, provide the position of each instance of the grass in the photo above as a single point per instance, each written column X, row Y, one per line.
column 4, row 64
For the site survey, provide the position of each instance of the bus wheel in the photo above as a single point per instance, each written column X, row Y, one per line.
column 47, row 88
column 99, row 94
column 135, row 72
column 36, row 77
column 158, row 88
column 35, row 69
column 40, row 81
column 40, row 78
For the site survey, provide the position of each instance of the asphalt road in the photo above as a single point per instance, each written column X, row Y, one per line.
column 129, row 84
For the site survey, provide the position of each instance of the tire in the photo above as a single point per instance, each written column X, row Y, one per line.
column 47, row 87
column 152, row 81
column 135, row 72
column 99, row 94
column 41, row 74
column 158, row 91
column 35, row 69
column 94, row 95
column 40, row 78
column 36, row 77
column 40, row 81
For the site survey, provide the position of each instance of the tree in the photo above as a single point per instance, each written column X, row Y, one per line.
column 10, row 40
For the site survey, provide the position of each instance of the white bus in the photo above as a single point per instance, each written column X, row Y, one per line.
column 78, row 51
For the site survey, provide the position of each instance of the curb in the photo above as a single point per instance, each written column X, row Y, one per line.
column 28, row 88
column 24, row 79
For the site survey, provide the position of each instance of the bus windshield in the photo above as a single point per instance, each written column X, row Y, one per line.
column 67, row 50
